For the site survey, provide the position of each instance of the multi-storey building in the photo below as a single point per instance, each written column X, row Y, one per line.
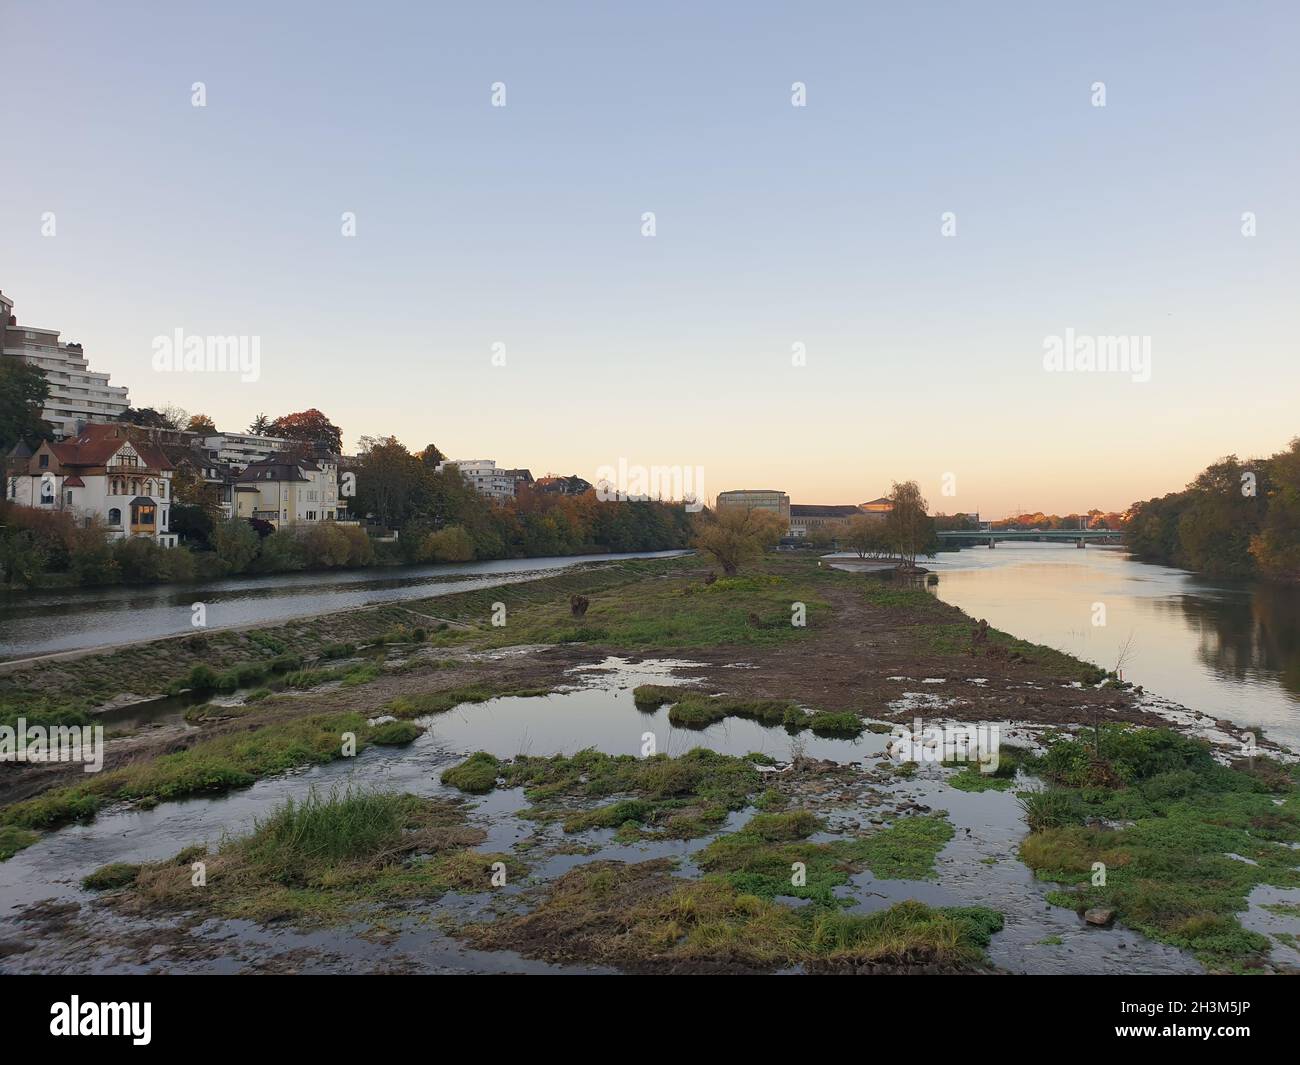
column 100, row 473
column 78, row 396
column 809, row 519
column 758, row 499
column 289, row 489
column 484, row 477
column 241, row 449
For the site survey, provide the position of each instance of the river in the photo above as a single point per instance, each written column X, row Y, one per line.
column 1227, row 649
column 1231, row 650
column 35, row 623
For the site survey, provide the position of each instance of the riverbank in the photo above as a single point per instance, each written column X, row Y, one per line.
column 909, row 864
column 34, row 623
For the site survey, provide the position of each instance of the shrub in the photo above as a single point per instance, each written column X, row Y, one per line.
column 236, row 544
column 139, row 559
column 452, row 544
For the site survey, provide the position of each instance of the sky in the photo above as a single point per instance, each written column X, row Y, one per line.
column 799, row 318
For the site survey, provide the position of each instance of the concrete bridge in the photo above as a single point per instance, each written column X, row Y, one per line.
column 1080, row 537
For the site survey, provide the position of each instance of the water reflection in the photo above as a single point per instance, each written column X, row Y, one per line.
column 1231, row 650
column 1252, row 634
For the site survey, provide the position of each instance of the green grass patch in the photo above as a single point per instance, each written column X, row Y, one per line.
column 1168, row 874
column 641, row 918
column 12, row 840
column 330, row 858
column 476, row 775
column 111, row 877
column 761, row 858
column 210, row 766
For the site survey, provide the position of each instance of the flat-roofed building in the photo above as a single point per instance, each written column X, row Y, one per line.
column 243, row 449
column 809, row 519
column 78, row 396
column 484, row 477
column 758, row 499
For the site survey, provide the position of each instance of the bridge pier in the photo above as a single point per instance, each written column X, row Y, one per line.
column 992, row 542
column 1080, row 543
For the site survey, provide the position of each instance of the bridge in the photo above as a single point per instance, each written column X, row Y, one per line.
column 1079, row 537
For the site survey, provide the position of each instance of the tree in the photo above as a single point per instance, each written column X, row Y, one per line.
column 735, row 536
column 452, row 544
column 174, row 417
column 261, row 426
column 146, row 417
column 201, row 423
column 909, row 527
column 309, row 427
column 23, row 392
column 236, row 544
column 192, row 524
column 22, row 557
column 868, row 536
column 387, row 478
column 1276, row 548
column 431, row 455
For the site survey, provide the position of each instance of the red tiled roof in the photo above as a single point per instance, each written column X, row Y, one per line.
column 74, row 482
column 96, row 444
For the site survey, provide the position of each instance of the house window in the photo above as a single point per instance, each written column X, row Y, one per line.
column 142, row 514
column 45, row 462
column 47, row 492
column 114, row 516
column 67, row 496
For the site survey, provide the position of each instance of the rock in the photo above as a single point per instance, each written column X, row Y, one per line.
column 1100, row 916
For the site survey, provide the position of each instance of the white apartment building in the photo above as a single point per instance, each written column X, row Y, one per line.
column 484, row 477
column 239, row 450
column 100, row 473
column 286, row 489
column 78, row 395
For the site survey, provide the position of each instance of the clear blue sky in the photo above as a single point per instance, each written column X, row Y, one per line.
column 776, row 225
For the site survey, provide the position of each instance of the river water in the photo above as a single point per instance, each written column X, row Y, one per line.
column 1227, row 649
column 34, row 623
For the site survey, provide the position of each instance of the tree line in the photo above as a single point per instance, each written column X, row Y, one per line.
column 1237, row 519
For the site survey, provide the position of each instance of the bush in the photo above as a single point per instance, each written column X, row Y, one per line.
column 236, row 544
column 325, row 546
column 452, row 544
column 281, row 552
column 139, row 559
column 178, row 564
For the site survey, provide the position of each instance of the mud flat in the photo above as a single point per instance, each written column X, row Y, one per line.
column 679, row 780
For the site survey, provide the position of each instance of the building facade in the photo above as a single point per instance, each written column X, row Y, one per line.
column 78, row 396
column 758, row 499
column 100, row 474
column 484, row 477
column 239, row 450
column 288, row 489
column 812, row 519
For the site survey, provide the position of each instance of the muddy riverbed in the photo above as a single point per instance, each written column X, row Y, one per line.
column 49, row 923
